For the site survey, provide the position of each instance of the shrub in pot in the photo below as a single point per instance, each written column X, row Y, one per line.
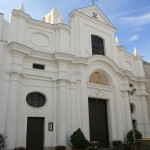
column 78, row 140
column 126, row 145
column 130, row 138
column 60, row 147
column 130, row 135
column 2, row 141
column 94, row 145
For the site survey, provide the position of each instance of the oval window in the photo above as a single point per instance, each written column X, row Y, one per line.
column 35, row 99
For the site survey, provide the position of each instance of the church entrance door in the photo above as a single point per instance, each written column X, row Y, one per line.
column 98, row 122
column 35, row 132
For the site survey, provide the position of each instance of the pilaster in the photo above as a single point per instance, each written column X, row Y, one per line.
column 11, row 121
column 61, row 116
column 146, row 122
column 74, row 119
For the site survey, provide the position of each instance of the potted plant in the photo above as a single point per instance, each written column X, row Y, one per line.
column 126, row 145
column 2, row 141
column 133, row 136
column 94, row 145
column 117, row 144
column 78, row 140
column 60, row 147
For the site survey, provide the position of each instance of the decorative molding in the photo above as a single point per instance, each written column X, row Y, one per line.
column 19, row 48
column 99, row 93
column 40, row 39
column 40, row 23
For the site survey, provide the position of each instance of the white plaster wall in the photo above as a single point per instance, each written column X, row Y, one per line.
column 47, row 111
column 3, row 77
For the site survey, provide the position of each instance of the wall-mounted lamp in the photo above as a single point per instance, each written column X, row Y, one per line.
column 132, row 91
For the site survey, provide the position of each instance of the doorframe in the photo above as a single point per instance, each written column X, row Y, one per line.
column 25, row 128
column 108, row 117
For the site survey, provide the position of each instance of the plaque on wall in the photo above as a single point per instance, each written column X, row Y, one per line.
column 50, row 126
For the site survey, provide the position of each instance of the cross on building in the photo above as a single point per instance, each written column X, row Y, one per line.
column 93, row 2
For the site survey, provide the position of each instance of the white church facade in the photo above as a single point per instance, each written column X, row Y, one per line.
column 56, row 78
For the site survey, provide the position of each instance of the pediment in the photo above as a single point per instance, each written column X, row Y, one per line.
column 95, row 13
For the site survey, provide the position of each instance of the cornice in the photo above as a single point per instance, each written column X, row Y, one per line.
column 14, row 47
column 107, row 60
column 22, row 50
column 99, row 86
column 144, row 79
column 40, row 23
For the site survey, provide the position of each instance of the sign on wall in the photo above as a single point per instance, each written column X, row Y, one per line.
column 50, row 126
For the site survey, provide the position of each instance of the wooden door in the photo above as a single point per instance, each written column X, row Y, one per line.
column 35, row 133
column 98, row 122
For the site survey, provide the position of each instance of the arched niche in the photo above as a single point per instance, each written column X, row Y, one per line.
column 99, row 77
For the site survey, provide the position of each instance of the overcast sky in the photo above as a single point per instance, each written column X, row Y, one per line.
column 130, row 17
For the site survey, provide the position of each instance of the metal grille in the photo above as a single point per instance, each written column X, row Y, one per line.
column 97, row 45
column 35, row 99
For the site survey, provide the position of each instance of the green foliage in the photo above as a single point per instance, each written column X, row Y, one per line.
column 2, row 141
column 60, row 147
column 130, row 135
column 78, row 140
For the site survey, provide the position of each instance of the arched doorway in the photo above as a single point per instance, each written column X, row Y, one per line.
column 98, row 119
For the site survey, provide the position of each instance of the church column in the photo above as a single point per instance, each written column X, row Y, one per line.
column 11, row 121
column 146, row 122
column 61, row 109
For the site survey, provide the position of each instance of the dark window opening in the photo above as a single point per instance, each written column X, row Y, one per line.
column 131, row 85
column 35, row 99
column 38, row 66
column 97, row 45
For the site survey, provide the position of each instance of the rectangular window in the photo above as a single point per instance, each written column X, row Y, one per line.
column 131, row 85
column 38, row 66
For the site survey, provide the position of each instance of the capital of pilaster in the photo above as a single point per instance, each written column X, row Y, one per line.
column 15, row 76
column 73, row 85
column 62, row 82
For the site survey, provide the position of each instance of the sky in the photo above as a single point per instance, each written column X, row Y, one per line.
column 131, row 18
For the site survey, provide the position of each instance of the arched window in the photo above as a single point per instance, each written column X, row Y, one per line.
column 97, row 45
column 35, row 99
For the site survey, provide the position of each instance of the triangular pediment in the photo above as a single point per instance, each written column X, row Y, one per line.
column 95, row 13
